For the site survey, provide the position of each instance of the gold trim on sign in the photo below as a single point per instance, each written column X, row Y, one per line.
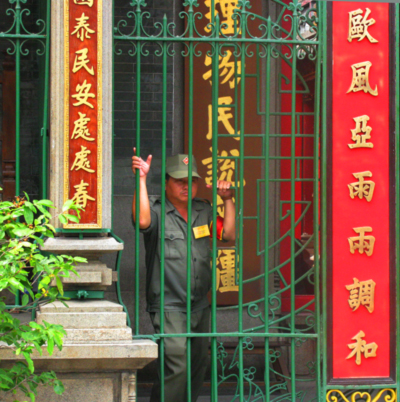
column 66, row 101
column 99, row 200
column 391, row 396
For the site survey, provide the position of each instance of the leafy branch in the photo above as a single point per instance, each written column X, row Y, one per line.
column 25, row 270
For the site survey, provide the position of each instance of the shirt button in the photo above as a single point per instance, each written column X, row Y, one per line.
column 195, row 259
column 171, row 236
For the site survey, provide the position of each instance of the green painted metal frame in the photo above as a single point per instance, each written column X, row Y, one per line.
column 164, row 38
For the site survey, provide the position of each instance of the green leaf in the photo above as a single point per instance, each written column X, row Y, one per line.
column 80, row 259
column 67, row 205
column 72, row 218
column 63, row 219
column 16, row 284
column 59, row 286
column 29, row 361
column 44, row 211
column 50, row 345
column 22, row 232
column 58, row 387
column 46, row 203
column 25, row 299
column 28, row 215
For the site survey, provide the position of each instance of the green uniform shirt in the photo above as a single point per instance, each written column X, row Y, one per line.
column 176, row 231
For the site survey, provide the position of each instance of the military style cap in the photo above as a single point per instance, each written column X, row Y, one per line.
column 177, row 166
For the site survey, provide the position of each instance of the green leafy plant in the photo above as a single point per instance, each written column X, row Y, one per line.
column 26, row 271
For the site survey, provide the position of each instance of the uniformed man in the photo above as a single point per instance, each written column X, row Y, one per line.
column 175, row 303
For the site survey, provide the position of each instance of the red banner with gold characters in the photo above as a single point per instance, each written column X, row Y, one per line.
column 83, row 85
column 361, row 244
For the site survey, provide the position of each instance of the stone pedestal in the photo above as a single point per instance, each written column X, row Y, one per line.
column 90, row 371
column 99, row 360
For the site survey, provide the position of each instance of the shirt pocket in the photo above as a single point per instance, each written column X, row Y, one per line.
column 174, row 244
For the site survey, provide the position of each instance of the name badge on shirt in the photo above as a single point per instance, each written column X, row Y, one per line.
column 201, row 231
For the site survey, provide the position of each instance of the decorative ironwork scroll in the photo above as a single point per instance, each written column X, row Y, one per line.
column 386, row 395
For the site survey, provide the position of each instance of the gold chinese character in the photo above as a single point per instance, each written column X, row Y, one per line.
column 358, row 25
column 81, row 160
column 361, row 347
column 81, row 60
column 83, row 94
column 362, row 293
column 80, row 128
column 362, row 242
column 82, row 28
column 229, row 68
column 223, row 116
column 362, row 188
column 360, row 81
column 226, row 275
column 361, row 127
column 81, row 196
column 227, row 9
column 84, row 2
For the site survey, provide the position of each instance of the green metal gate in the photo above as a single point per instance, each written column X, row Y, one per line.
column 260, row 327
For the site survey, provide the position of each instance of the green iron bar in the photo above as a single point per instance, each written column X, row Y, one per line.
column 163, row 199
column 292, row 216
column 230, row 334
column 266, row 147
column 21, row 35
column 324, row 35
column 218, row 40
column 241, row 201
column 137, row 190
column 215, row 48
column 189, row 217
column 84, row 294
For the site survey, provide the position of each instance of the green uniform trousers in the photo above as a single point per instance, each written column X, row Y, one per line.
column 175, row 363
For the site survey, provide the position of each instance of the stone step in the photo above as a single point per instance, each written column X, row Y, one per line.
column 81, row 306
column 84, row 320
column 98, row 334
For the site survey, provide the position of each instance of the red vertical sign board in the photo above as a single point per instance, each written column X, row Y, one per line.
column 83, row 109
column 359, row 261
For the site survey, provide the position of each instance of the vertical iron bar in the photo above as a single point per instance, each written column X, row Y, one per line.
column 293, row 213
column 189, row 217
column 137, row 191
column 241, row 196
column 163, row 196
column 17, row 111
column 215, row 103
column 18, row 98
column 266, row 210
column 324, row 54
